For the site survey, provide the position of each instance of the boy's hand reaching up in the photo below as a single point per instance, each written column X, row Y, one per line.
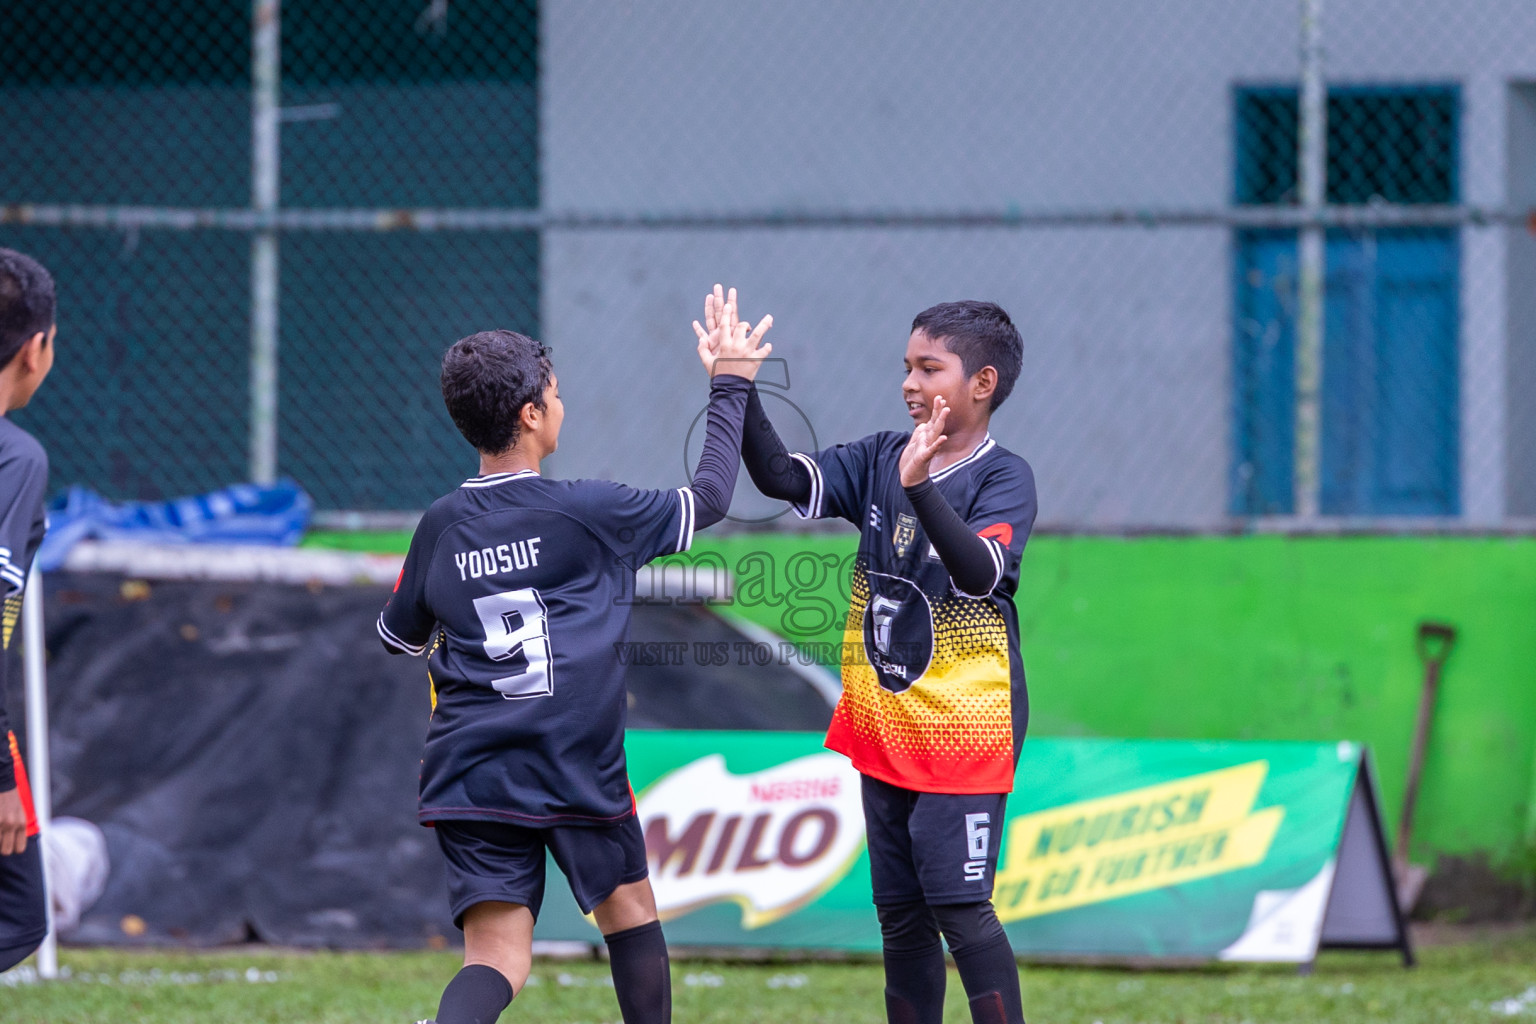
column 925, row 443
column 727, row 344
column 714, row 307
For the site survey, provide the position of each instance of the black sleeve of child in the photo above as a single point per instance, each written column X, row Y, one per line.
column 23, row 481
column 767, row 460
column 715, row 478
column 406, row 624
column 966, row 557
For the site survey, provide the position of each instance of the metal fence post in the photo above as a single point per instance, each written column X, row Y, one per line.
column 34, row 672
column 266, row 57
column 1312, row 176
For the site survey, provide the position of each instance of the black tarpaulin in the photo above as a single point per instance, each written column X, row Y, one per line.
column 251, row 752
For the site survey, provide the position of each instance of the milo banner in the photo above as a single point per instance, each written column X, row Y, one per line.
column 1122, row 848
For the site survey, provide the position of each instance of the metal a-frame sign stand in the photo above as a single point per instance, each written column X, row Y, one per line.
column 1362, row 911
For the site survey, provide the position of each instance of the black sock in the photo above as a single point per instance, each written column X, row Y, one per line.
column 914, row 964
column 990, row 975
column 642, row 974
column 985, row 961
column 476, row 995
column 914, row 987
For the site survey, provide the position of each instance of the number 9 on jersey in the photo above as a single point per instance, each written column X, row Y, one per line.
column 517, row 631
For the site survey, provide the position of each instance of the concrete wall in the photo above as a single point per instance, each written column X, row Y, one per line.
column 1124, row 407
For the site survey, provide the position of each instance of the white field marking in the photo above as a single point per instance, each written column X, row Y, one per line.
column 1520, row 1004
column 27, row 975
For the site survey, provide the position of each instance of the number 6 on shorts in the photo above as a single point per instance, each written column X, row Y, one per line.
column 516, row 630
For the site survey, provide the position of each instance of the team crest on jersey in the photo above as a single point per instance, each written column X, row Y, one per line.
column 898, row 631
column 904, row 534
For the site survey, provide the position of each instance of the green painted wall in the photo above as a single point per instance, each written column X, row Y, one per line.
column 1263, row 637
column 1259, row 637
column 1289, row 638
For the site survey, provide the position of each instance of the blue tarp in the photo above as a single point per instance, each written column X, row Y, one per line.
column 275, row 514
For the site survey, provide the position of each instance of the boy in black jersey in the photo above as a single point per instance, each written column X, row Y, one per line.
column 27, row 333
column 515, row 587
column 934, row 707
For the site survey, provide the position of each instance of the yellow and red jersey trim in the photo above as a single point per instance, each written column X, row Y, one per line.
column 951, row 731
column 23, row 787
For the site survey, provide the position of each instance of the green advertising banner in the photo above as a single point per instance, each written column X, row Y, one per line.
column 1122, row 848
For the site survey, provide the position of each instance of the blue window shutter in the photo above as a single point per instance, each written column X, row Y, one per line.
column 1390, row 374
column 1348, row 373
column 1264, row 374
column 1417, row 376
column 1390, row 401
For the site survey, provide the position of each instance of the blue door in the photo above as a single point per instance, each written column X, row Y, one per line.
column 1390, row 373
column 1390, row 392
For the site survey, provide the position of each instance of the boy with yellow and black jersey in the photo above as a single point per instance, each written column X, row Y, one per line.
column 934, row 705
column 937, row 703
column 27, row 331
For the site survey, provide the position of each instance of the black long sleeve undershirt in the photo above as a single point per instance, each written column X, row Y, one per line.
column 714, row 480
column 966, row 557
column 767, row 460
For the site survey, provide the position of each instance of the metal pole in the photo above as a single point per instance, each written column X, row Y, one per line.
column 35, row 673
column 1364, row 216
column 266, row 56
column 1312, row 176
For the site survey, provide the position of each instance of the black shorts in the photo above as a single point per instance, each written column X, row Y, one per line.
column 935, row 847
column 490, row 860
column 23, row 904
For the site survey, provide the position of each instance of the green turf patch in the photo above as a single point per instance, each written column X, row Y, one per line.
column 1489, row 978
column 375, row 542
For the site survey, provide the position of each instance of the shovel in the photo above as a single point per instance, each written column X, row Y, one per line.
column 1433, row 644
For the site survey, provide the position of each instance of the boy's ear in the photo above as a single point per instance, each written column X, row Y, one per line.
column 528, row 416
column 32, row 349
column 983, row 383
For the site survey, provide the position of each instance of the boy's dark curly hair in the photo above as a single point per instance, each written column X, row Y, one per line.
column 27, row 305
column 487, row 379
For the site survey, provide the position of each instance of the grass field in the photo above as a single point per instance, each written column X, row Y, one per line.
column 1465, row 977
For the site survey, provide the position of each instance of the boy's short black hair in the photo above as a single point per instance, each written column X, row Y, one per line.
column 981, row 334
column 27, row 303
column 487, row 379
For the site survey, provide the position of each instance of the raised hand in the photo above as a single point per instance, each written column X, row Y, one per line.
column 728, row 344
column 714, row 306
column 925, row 443
column 721, row 321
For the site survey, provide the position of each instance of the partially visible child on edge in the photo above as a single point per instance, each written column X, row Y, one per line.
column 514, row 587
column 934, row 712
column 27, row 339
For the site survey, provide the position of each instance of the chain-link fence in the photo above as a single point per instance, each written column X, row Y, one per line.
column 1126, row 178
column 150, row 104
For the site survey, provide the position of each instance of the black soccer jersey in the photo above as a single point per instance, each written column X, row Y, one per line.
column 933, row 685
column 23, row 484
column 518, row 588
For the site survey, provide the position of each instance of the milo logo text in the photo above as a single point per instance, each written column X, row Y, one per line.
column 770, row 841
